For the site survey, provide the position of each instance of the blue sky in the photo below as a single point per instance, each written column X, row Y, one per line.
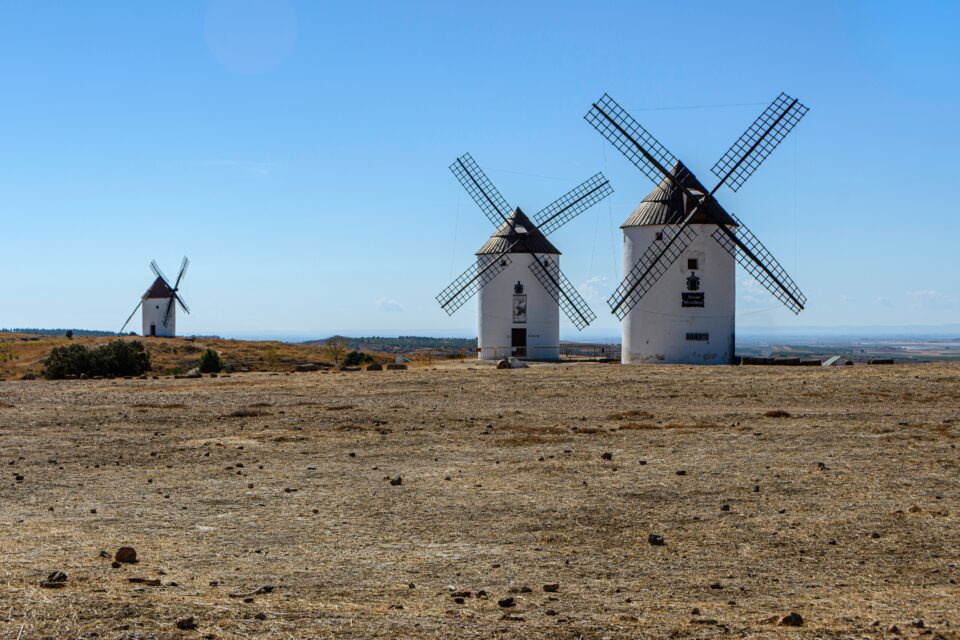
column 298, row 152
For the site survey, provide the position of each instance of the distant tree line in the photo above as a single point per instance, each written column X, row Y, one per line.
column 400, row 344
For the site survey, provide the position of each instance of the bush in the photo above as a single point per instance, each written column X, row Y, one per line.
column 210, row 362
column 356, row 358
column 117, row 358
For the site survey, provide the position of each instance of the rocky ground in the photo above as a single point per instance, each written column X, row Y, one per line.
column 560, row 501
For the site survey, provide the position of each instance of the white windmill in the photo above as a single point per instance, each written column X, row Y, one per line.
column 677, row 303
column 158, row 303
column 517, row 272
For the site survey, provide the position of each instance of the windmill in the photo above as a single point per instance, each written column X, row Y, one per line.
column 682, row 311
column 159, row 310
column 519, row 314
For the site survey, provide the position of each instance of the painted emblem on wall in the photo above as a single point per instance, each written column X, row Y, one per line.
column 519, row 304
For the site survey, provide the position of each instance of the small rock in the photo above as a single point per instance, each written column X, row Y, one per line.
column 656, row 540
column 115, row 564
column 127, row 555
column 186, row 624
column 916, row 624
column 104, row 554
column 55, row 580
column 681, row 472
column 459, row 600
column 695, row 611
column 894, row 629
column 396, row 482
column 550, row 612
column 607, row 456
column 716, row 585
column 506, row 603
column 261, row 616
column 725, row 507
column 552, row 587
column 791, row 620
column 875, row 535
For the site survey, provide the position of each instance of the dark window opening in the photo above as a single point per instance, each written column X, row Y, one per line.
column 518, row 340
column 692, row 263
column 659, row 235
column 698, row 337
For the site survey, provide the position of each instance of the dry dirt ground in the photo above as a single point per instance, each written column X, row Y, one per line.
column 844, row 509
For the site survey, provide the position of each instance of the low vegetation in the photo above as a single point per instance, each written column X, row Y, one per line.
column 210, row 362
column 116, row 358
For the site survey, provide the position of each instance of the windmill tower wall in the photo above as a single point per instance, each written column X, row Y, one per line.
column 668, row 326
column 507, row 313
column 153, row 312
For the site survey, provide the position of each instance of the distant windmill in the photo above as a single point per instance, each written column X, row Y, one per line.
column 689, row 317
column 519, row 315
column 159, row 310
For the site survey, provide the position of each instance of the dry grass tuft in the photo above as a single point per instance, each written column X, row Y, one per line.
column 247, row 412
column 777, row 413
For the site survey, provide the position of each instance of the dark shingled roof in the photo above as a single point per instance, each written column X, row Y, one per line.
column 665, row 204
column 533, row 241
column 159, row 289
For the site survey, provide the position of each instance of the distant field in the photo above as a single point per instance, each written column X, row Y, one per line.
column 462, row 501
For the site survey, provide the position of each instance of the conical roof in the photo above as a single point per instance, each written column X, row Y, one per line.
column 159, row 289
column 666, row 203
column 533, row 241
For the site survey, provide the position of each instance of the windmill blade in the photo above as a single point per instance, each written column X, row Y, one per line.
column 130, row 318
column 183, row 305
column 747, row 249
column 468, row 283
column 156, row 270
column 183, row 271
column 573, row 203
column 562, row 291
column 630, row 138
column 166, row 315
column 650, row 267
column 758, row 141
column 480, row 188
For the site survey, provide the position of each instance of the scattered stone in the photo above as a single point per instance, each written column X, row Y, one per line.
column 459, row 600
column 115, row 564
column 261, row 616
column 267, row 588
column 716, row 585
column 186, row 624
column 127, row 555
column 552, row 587
column 550, row 612
column 105, row 554
column 503, row 364
column 56, row 580
column 695, row 611
column 791, row 620
column 681, row 472
column 150, row 582
column 607, row 456
column 916, row 624
column 376, row 366
column 506, row 603
column 706, row 621
column 777, row 413
column 724, row 507
column 656, row 540
column 894, row 629
column 460, row 594
column 396, row 482
column 875, row 535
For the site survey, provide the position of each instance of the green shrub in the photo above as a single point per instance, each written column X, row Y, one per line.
column 356, row 358
column 117, row 358
column 210, row 362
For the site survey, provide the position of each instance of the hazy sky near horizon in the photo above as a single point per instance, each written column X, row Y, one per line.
column 298, row 152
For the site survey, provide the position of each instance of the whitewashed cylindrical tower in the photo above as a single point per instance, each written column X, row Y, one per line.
column 688, row 316
column 516, row 316
column 155, row 302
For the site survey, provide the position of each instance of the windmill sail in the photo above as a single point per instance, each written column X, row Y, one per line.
column 573, row 203
column 562, row 291
column 468, row 283
column 478, row 185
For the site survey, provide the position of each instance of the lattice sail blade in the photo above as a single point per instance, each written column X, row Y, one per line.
column 573, row 203
column 654, row 262
column 169, row 311
column 156, row 270
column 547, row 271
column 758, row 141
column 130, row 317
column 747, row 249
column 183, row 272
column 478, row 185
column 468, row 283
column 630, row 138
column 183, row 305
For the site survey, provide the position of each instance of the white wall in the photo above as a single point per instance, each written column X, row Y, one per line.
column 153, row 310
column 495, row 312
column 655, row 330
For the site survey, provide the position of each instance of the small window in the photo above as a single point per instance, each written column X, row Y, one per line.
column 692, row 264
column 698, row 337
column 659, row 235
